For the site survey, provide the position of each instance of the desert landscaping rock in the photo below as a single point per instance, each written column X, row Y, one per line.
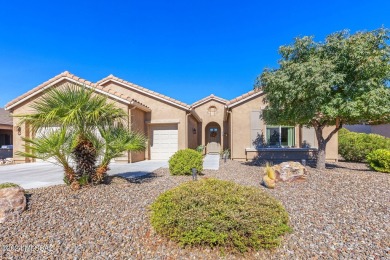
column 12, row 203
column 290, row 171
column 342, row 212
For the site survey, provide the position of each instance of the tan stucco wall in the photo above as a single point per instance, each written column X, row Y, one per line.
column 137, row 124
column 241, row 126
column 192, row 138
column 161, row 111
column 332, row 148
column 202, row 111
column 25, row 108
column 18, row 143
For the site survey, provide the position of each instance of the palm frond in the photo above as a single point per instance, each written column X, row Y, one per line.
column 118, row 139
column 54, row 144
column 72, row 105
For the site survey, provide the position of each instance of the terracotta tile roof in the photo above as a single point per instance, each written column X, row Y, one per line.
column 244, row 96
column 67, row 75
column 32, row 91
column 145, row 90
column 211, row 97
column 107, row 91
column 5, row 117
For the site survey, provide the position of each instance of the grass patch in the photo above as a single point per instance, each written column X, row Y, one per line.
column 8, row 185
column 220, row 214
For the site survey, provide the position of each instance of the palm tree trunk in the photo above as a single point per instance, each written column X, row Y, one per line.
column 70, row 175
column 100, row 174
column 85, row 157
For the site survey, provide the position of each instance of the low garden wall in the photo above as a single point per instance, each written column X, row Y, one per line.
column 278, row 155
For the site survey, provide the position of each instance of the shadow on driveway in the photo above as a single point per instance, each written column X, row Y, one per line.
column 43, row 174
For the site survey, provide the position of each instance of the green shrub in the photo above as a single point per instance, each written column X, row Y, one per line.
column 8, row 185
column 220, row 214
column 379, row 160
column 183, row 161
column 356, row 146
column 200, row 149
column 343, row 131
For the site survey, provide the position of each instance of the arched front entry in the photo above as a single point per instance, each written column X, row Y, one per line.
column 213, row 137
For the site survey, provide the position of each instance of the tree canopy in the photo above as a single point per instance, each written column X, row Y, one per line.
column 343, row 80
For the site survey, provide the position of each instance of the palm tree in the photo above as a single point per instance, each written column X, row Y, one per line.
column 57, row 145
column 116, row 140
column 89, row 128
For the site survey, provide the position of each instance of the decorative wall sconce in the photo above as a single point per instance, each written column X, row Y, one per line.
column 225, row 134
column 18, row 129
column 194, row 131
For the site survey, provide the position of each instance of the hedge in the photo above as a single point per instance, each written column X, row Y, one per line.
column 356, row 146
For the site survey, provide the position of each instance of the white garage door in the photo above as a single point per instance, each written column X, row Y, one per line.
column 164, row 141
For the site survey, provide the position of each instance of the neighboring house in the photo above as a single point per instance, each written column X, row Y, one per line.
column 5, row 134
column 5, row 127
column 170, row 125
column 383, row 129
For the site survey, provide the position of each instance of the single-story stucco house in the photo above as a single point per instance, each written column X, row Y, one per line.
column 171, row 125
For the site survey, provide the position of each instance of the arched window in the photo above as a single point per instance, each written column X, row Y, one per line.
column 212, row 110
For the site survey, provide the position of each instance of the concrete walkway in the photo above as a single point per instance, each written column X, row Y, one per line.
column 211, row 162
column 42, row 174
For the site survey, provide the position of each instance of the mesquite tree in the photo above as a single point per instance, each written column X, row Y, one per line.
column 343, row 80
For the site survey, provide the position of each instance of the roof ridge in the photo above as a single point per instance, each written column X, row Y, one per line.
column 243, row 96
column 99, row 87
column 67, row 74
column 40, row 86
column 151, row 92
column 211, row 96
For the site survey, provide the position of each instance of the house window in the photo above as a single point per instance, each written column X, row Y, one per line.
column 213, row 132
column 5, row 139
column 212, row 110
column 281, row 136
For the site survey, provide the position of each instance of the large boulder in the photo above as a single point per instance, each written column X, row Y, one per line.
column 290, row 171
column 12, row 203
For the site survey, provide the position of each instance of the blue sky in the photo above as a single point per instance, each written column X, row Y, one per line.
column 183, row 49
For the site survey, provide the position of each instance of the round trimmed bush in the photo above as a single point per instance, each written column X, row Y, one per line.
column 356, row 146
column 183, row 161
column 379, row 160
column 220, row 214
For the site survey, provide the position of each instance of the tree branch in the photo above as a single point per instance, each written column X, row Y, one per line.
column 337, row 128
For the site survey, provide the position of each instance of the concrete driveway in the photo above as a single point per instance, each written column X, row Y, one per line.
column 42, row 174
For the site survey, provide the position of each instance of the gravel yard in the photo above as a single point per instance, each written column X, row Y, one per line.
column 342, row 212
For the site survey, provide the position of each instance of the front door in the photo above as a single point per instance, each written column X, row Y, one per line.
column 213, row 134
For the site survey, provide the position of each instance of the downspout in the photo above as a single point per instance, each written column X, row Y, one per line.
column 231, row 133
column 129, row 158
column 187, row 135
